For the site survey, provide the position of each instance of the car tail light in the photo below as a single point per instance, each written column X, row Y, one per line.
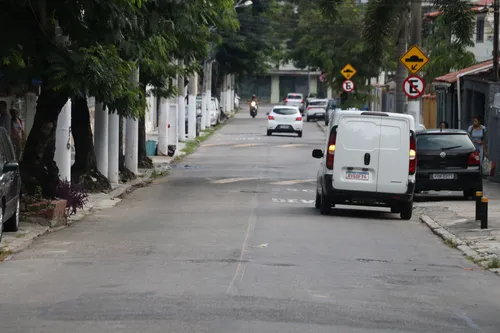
column 298, row 118
column 302, row 101
column 309, row 108
column 270, row 117
column 413, row 156
column 474, row 158
column 330, row 154
column 286, row 100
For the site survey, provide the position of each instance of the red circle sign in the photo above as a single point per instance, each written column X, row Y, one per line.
column 348, row 86
column 413, row 86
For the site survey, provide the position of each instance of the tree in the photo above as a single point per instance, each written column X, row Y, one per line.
column 385, row 31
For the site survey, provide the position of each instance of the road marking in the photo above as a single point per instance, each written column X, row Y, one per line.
column 293, row 182
column 231, row 180
column 293, row 201
column 300, row 190
column 292, row 145
column 246, row 145
column 211, row 144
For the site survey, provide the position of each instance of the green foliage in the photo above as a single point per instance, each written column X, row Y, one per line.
column 445, row 53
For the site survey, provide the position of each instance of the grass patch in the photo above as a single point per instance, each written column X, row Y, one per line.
column 192, row 145
column 4, row 253
column 494, row 263
column 20, row 235
column 451, row 243
column 158, row 174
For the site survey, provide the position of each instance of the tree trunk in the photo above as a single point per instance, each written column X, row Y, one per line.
column 125, row 173
column 84, row 171
column 400, row 70
column 144, row 161
column 38, row 168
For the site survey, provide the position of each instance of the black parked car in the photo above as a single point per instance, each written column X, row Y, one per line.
column 10, row 185
column 447, row 160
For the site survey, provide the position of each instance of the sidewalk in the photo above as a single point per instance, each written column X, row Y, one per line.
column 452, row 219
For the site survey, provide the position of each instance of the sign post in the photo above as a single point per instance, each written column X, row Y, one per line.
column 348, row 86
column 413, row 86
column 348, row 72
column 414, row 59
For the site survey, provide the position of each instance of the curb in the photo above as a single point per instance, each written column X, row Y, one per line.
column 322, row 127
column 466, row 250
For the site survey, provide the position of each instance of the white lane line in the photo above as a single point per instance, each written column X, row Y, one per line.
column 293, row 201
column 293, row 182
column 231, row 180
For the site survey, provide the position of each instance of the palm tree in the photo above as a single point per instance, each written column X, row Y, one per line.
column 386, row 27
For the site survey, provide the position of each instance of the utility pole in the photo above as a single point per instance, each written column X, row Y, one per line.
column 414, row 105
column 495, row 39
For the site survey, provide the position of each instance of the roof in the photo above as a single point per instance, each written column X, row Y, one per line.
column 441, row 131
column 478, row 6
column 452, row 77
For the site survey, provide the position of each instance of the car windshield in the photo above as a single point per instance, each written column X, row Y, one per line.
column 294, row 96
column 285, row 111
column 439, row 141
column 321, row 103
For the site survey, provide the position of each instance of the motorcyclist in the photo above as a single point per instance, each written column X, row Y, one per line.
column 254, row 98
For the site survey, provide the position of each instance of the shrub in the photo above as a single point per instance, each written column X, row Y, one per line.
column 76, row 196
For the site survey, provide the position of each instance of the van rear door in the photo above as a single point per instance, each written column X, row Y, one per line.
column 394, row 159
column 357, row 153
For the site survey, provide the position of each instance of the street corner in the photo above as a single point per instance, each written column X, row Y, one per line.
column 453, row 223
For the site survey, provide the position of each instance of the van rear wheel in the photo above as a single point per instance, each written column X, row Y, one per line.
column 406, row 210
column 325, row 206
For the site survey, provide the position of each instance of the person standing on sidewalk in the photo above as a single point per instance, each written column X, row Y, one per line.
column 477, row 131
column 5, row 120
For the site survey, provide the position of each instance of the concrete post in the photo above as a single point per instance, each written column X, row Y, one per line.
column 233, row 84
column 204, row 98
column 163, row 128
column 113, row 147
column 101, row 130
column 192, row 90
column 209, row 94
column 62, row 155
column 132, row 138
column 181, row 106
column 223, row 95
column 173, row 136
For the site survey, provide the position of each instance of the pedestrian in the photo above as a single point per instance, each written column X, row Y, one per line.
column 443, row 125
column 17, row 135
column 5, row 120
column 477, row 132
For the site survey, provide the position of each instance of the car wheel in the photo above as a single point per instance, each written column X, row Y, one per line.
column 317, row 202
column 1, row 224
column 300, row 134
column 269, row 133
column 406, row 210
column 469, row 194
column 12, row 224
column 308, row 119
column 326, row 122
column 325, row 206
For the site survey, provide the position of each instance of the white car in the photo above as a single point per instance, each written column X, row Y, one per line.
column 285, row 119
column 369, row 159
column 316, row 109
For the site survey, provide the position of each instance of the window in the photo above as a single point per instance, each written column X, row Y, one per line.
column 318, row 103
column 480, row 30
column 446, row 141
column 294, row 96
column 286, row 111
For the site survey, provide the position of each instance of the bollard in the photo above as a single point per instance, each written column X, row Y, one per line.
column 479, row 195
column 484, row 213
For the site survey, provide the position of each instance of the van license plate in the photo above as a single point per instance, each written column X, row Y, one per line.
column 357, row 175
column 443, row 176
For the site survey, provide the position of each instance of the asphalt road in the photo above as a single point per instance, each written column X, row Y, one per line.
column 230, row 242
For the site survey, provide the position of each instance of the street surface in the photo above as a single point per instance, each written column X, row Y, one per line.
column 230, row 242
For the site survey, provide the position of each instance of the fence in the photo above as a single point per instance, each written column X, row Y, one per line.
column 430, row 111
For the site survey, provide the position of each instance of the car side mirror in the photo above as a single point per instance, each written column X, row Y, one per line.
column 317, row 153
column 267, row 113
column 10, row 166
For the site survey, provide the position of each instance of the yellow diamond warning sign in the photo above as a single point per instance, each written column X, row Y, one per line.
column 348, row 71
column 414, row 59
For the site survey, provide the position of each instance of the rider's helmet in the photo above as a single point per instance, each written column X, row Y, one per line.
column 253, row 96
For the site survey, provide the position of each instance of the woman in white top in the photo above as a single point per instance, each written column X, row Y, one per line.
column 477, row 131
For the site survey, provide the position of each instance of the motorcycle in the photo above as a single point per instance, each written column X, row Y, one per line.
column 253, row 109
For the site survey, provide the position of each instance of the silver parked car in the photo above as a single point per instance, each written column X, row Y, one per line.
column 295, row 99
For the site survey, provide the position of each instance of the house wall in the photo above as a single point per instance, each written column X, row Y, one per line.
column 483, row 38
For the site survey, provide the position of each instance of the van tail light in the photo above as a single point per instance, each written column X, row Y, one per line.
column 270, row 117
column 330, row 155
column 413, row 156
column 474, row 159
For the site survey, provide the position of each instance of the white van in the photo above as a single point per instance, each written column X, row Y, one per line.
column 369, row 159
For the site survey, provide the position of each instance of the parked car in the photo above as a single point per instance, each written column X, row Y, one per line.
column 448, row 160
column 330, row 108
column 10, row 189
column 369, row 159
column 316, row 109
column 285, row 119
column 214, row 112
column 295, row 99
